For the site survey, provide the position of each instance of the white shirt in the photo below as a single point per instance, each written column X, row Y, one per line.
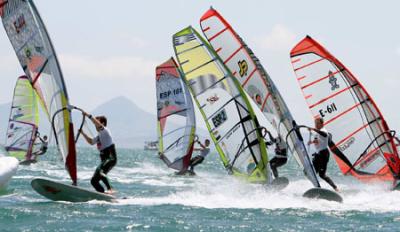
column 204, row 152
column 103, row 139
column 322, row 143
column 280, row 143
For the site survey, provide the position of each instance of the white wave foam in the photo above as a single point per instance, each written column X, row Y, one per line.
column 230, row 193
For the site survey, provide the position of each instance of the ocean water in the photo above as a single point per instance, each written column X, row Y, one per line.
column 157, row 200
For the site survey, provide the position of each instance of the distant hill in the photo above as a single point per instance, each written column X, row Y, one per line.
column 129, row 125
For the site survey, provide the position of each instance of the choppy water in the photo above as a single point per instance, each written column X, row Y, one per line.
column 212, row 201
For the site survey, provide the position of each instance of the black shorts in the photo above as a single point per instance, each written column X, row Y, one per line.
column 108, row 153
column 196, row 160
column 320, row 161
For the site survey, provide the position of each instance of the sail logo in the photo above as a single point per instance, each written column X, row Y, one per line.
column 347, row 144
column 369, row 160
column 168, row 93
column 183, row 39
column 19, row 24
column 213, row 99
column 333, row 81
column 243, row 67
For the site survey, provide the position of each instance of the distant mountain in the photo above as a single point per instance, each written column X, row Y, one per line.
column 129, row 125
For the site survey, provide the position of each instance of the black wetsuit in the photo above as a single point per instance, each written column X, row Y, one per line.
column 108, row 158
column 280, row 158
column 43, row 148
column 199, row 159
column 320, row 162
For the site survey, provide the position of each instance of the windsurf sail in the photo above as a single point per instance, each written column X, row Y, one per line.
column 175, row 117
column 23, row 120
column 362, row 142
column 247, row 69
column 36, row 54
column 224, row 106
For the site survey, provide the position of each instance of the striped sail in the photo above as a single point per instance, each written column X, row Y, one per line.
column 361, row 140
column 23, row 120
column 224, row 106
column 247, row 69
column 37, row 57
column 176, row 120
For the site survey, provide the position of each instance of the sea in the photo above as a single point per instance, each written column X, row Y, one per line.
column 153, row 198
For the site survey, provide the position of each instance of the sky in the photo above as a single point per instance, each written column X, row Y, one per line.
column 111, row 48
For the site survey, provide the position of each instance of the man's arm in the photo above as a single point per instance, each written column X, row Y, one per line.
column 87, row 138
column 93, row 119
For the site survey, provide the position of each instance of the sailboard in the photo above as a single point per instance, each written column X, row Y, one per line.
column 35, row 52
column 62, row 192
column 176, row 122
column 362, row 142
column 248, row 70
column 224, row 106
column 23, row 121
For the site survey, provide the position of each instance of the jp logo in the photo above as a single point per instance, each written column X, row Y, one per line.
column 333, row 81
column 243, row 67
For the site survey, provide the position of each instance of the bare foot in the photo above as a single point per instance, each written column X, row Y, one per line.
column 337, row 190
column 110, row 192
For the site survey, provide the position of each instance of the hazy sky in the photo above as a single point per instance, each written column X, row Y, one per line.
column 110, row 48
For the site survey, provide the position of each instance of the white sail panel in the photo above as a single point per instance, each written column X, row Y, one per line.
column 37, row 57
column 247, row 69
column 175, row 117
column 23, row 120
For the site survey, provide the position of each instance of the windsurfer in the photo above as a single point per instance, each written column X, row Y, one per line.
column 204, row 151
column 280, row 157
column 108, row 154
column 43, row 145
column 321, row 157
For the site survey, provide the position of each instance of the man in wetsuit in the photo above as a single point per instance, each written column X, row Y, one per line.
column 108, row 154
column 321, row 157
column 280, row 157
column 204, row 150
column 43, row 146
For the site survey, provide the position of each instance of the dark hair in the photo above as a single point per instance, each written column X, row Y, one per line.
column 207, row 140
column 102, row 120
column 321, row 120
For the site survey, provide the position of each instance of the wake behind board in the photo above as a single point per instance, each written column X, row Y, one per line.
column 321, row 193
column 63, row 192
column 280, row 183
column 186, row 173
